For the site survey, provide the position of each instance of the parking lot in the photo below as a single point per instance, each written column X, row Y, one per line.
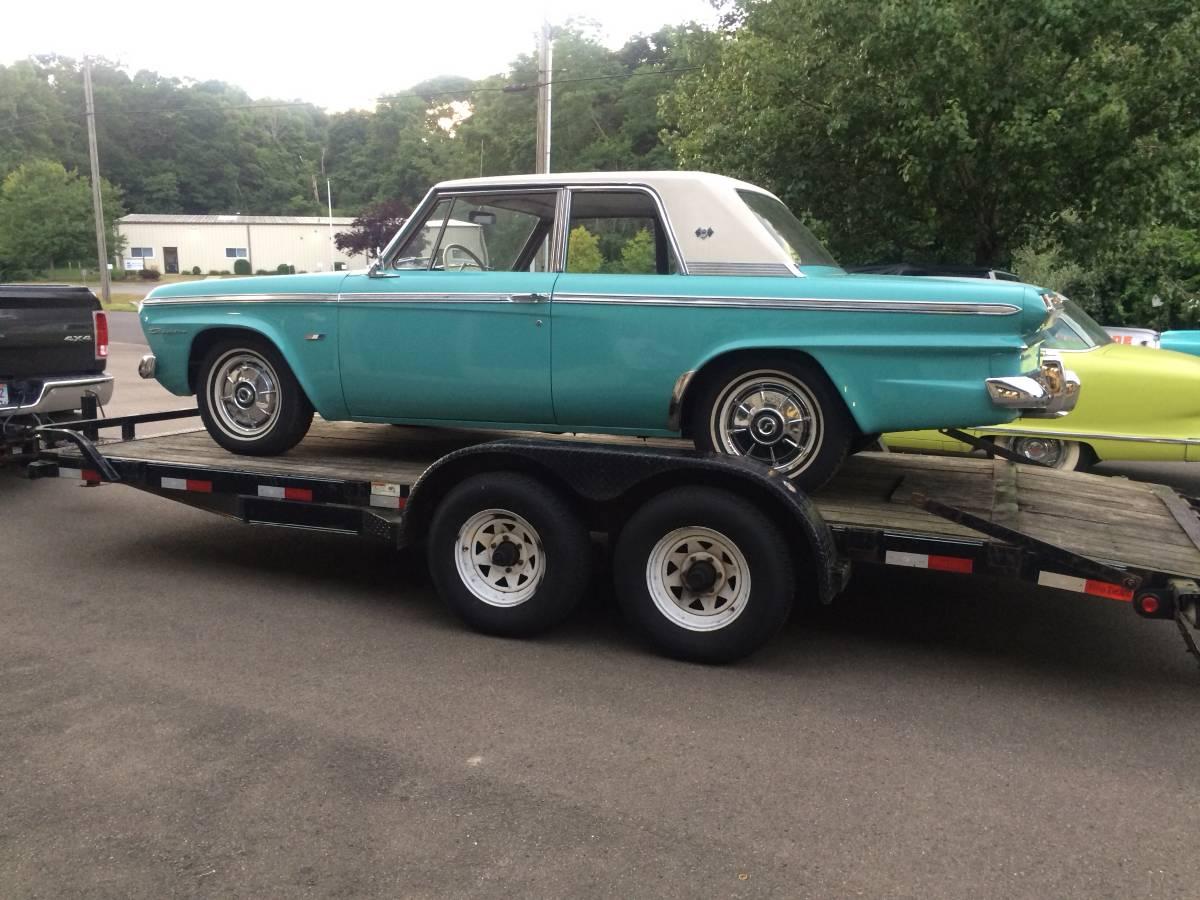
column 189, row 706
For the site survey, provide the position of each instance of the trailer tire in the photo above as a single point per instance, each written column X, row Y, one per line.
column 238, row 422
column 742, row 583
column 513, row 522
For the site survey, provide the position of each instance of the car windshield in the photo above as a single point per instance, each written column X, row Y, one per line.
column 1075, row 330
column 788, row 231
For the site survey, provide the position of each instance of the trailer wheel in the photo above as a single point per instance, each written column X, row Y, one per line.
column 704, row 574
column 1070, row 456
column 508, row 555
column 249, row 400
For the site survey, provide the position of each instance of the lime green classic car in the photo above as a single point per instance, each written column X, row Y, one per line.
column 1141, row 403
column 657, row 304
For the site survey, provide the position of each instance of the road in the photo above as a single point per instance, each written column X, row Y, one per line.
column 193, row 707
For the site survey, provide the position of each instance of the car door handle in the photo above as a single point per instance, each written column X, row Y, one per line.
column 527, row 298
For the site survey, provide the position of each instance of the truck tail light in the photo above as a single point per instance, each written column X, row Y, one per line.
column 100, row 327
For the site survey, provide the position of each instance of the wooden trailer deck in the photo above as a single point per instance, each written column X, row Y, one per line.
column 1114, row 520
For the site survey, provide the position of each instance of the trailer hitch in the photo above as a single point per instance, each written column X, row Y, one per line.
column 87, row 449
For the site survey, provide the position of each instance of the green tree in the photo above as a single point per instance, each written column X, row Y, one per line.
column 637, row 255
column 46, row 217
column 583, row 251
column 953, row 130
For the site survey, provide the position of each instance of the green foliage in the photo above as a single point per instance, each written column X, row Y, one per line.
column 953, row 130
column 583, row 251
column 196, row 270
column 149, row 274
column 46, row 215
column 1047, row 266
column 241, row 267
column 637, row 255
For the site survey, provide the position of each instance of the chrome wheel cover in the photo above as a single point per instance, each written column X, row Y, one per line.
column 499, row 557
column 243, row 393
column 1047, row 451
column 709, row 609
column 770, row 416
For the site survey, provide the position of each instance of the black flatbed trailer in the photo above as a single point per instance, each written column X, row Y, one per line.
column 1104, row 537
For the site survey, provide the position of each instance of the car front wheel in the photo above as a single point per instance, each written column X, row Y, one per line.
column 1070, row 456
column 785, row 414
column 249, row 399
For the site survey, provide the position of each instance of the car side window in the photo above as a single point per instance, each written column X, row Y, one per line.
column 483, row 232
column 618, row 232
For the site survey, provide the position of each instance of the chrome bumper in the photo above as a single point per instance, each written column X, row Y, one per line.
column 1050, row 392
column 62, row 393
column 147, row 365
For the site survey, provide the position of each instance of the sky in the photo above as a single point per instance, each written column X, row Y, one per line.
column 338, row 56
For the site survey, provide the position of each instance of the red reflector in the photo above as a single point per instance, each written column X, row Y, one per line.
column 1105, row 589
column 951, row 564
column 89, row 475
column 297, row 493
column 200, row 487
column 1149, row 604
column 100, row 326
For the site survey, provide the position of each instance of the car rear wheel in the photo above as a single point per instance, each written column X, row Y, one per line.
column 1069, row 456
column 785, row 414
column 249, row 399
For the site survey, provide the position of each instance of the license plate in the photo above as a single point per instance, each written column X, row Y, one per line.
column 3, row 394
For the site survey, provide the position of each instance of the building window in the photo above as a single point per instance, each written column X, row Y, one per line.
column 235, row 252
column 141, row 252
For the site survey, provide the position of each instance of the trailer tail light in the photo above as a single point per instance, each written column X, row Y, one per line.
column 100, row 327
column 1154, row 605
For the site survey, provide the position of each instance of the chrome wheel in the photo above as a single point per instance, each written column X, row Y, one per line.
column 770, row 416
column 1048, row 451
column 499, row 557
column 243, row 391
column 698, row 578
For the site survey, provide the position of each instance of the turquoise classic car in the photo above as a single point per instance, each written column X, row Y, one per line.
column 651, row 303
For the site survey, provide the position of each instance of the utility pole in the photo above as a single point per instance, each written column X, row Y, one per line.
column 329, row 197
column 97, row 203
column 545, row 67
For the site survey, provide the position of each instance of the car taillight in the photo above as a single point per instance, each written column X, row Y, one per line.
column 100, row 327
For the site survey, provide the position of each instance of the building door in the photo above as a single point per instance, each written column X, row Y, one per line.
column 171, row 260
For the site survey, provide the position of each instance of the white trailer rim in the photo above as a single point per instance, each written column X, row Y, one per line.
column 499, row 557
column 708, row 609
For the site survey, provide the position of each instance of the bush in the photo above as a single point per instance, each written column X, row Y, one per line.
column 241, row 267
column 149, row 274
column 196, row 270
column 285, row 269
column 262, row 272
column 224, row 272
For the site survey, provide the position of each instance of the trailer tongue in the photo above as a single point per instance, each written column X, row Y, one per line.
column 690, row 532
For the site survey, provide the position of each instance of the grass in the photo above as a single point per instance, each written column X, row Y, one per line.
column 74, row 275
column 119, row 302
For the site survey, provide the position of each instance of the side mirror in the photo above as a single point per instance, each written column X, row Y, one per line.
column 373, row 272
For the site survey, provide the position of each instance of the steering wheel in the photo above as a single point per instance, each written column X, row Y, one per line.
column 466, row 250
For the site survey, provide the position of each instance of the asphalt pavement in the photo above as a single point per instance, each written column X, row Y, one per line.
column 193, row 707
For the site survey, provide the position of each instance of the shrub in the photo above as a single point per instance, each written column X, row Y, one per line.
column 262, row 272
column 196, row 270
column 241, row 267
column 283, row 269
column 149, row 274
column 224, row 272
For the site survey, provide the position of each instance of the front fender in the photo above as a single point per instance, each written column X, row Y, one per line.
column 304, row 333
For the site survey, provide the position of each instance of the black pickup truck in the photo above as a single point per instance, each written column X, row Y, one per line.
column 53, row 351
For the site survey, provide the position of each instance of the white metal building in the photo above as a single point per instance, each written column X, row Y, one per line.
column 215, row 243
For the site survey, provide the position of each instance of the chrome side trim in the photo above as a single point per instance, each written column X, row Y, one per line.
column 241, row 298
column 675, row 406
column 936, row 307
column 1080, row 435
column 424, row 297
column 741, row 268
